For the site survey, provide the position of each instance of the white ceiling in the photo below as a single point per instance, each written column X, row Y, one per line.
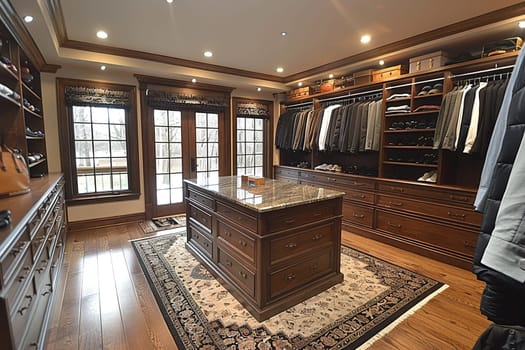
column 245, row 34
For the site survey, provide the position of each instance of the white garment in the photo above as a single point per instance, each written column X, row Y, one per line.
column 327, row 115
column 474, row 120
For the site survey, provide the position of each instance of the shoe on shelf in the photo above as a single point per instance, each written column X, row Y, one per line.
column 426, row 176
column 338, row 168
column 432, row 178
column 323, row 166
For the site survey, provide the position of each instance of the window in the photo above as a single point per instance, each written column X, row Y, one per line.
column 100, row 157
column 253, row 147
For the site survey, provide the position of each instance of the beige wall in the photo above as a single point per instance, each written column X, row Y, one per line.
column 104, row 210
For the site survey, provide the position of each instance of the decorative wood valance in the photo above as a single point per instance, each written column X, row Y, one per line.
column 90, row 96
column 252, row 110
column 174, row 101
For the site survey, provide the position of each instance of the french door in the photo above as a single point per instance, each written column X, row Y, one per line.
column 181, row 145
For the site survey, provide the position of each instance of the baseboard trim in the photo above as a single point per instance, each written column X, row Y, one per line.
column 103, row 222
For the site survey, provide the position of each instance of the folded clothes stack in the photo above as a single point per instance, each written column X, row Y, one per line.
column 398, row 109
column 397, row 96
column 431, row 90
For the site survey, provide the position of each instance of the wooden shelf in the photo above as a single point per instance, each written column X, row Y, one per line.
column 408, row 131
column 40, row 161
column 7, row 74
column 428, row 96
column 410, row 147
column 398, row 99
column 409, row 114
column 421, row 165
column 6, row 100
column 31, row 91
column 32, row 113
column 35, row 138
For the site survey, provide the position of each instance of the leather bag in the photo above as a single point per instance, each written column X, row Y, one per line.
column 14, row 174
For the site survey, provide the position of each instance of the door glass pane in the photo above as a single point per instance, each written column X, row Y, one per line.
column 207, row 146
column 168, row 153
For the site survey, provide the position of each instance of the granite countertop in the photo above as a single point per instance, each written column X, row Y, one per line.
column 274, row 194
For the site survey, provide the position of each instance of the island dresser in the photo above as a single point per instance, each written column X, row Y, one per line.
column 272, row 245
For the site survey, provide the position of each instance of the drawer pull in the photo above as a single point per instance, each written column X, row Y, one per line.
column 289, row 222
column 290, row 245
column 242, row 243
column 40, row 269
column 458, row 198
column 21, row 278
column 34, row 344
column 359, row 216
column 229, row 263
column 397, row 189
column 469, row 244
column 456, row 215
column 228, row 233
column 394, row 225
column 362, row 196
column 314, row 267
column 355, row 183
column 316, row 215
column 46, row 293
column 290, row 276
column 243, row 274
column 397, row 204
column 24, row 308
column 317, row 237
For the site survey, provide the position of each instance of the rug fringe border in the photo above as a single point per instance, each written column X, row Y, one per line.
column 401, row 318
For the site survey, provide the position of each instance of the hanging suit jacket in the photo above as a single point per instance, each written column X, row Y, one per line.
column 503, row 299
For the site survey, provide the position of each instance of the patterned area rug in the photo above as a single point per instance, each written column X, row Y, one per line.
column 201, row 314
column 163, row 223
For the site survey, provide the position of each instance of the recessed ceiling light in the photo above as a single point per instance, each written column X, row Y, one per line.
column 103, row 67
column 280, row 69
column 381, row 62
column 330, row 76
column 28, row 19
column 259, row 89
column 521, row 24
column 365, row 39
column 169, row 1
column 208, row 53
column 284, row 33
column 102, row 34
column 193, row 80
column 300, row 83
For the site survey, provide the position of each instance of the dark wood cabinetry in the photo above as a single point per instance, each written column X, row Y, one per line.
column 437, row 221
column 31, row 252
column 270, row 260
column 22, row 125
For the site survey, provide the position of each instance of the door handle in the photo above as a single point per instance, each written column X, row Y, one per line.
column 193, row 164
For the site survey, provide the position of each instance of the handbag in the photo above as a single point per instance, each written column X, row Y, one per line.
column 14, row 174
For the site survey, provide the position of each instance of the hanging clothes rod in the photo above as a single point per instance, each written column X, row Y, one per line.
column 416, row 83
column 482, row 71
column 299, row 104
column 350, row 95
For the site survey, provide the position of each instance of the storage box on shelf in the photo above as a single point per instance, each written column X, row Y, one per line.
column 427, row 61
column 389, row 73
column 31, row 253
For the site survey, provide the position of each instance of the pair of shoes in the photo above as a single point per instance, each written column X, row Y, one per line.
column 323, row 166
column 32, row 133
column 335, row 167
column 430, row 176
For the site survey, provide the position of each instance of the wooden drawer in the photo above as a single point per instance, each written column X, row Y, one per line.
column 42, row 267
column 237, row 216
column 33, row 336
column 359, row 196
column 439, row 235
column 20, row 313
column 58, row 253
column 300, row 273
column 342, row 182
column 429, row 192
column 21, row 275
column 200, row 216
column 202, row 239
column 296, row 216
column 201, row 199
column 9, row 261
column 358, row 214
column 292, row 245
column 236, row 240
column 244, row 278
column 433, row 209
column 292, row 173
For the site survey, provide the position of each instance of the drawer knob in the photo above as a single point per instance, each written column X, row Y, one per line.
column 394, row 225
column 397, row 189
column 21, row 278
column 229, row 263
column 317, row 237
column 242, row 243
column 243, row 274
column 469, row 244
column 456, row 215
column 228, row 233
column 362, row 196
column 290, row 221
column 397, row 204
column 359, row 216
column 290, row 245
column 290, row 276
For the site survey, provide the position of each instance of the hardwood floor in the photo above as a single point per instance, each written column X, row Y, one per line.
column 104, row 301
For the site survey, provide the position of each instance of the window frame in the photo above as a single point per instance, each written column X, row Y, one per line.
column 67, row 154
column 267, row 134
